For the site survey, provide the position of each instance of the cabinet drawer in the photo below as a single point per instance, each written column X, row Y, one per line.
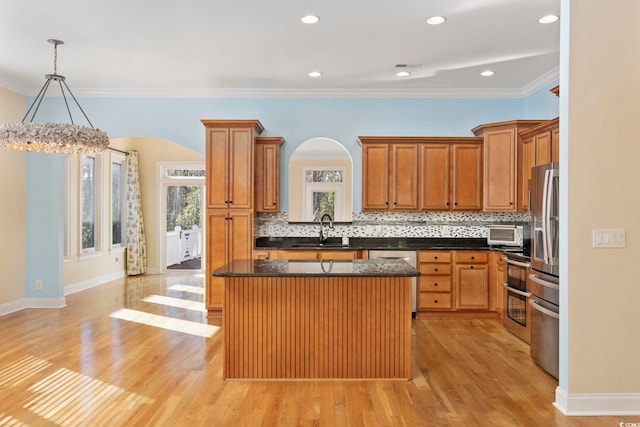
column 434, row 300
column 435, row 283
column 429, row 268
column 434, row 256
column 468, row 257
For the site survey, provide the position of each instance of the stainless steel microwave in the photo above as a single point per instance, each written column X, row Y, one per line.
column 506, row 235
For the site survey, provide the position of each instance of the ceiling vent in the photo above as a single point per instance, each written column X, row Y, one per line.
column 408, row 65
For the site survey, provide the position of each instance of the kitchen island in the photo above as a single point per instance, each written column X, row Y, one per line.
column 329, row 319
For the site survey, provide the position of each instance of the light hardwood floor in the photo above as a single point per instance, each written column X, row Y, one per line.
column 92, row 363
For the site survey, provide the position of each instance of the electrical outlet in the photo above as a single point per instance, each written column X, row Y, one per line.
column 39, row 285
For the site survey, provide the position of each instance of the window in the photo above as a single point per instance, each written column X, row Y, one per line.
column 118, row 199
column 89, row 203
column 323, row 193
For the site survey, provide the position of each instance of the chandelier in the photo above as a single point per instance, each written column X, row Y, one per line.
column 53, row 137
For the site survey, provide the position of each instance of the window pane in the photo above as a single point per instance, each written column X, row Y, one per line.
column 88, row 202
column 183, row 206
column 185, row 172
column 323, row 203
column 116, row 203
column 323, row 176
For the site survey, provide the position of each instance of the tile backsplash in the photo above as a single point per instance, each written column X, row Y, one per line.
column 393, row 224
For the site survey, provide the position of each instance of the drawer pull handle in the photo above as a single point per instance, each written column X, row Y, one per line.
column 435, row 301
column 472, row 267
column 435, row 269
column 473, row 257
column 435, row 257
column 435, row 284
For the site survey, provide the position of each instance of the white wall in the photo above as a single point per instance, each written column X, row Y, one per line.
column 13, row 212
column 600, row 107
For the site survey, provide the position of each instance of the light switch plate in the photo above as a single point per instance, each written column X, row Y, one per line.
column 609, row 238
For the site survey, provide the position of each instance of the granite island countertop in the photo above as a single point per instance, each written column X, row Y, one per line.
column 342, row 268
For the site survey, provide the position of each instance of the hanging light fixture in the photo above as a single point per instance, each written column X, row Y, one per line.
column 53, row 137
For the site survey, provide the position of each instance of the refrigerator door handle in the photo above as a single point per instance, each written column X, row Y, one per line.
column 543, row 310
column 546, row 206
column 543, row 282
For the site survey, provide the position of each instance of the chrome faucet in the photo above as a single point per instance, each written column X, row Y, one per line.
column 324, row 236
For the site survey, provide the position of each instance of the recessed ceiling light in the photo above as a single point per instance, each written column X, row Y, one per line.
column 403, row 74
column 487, row 73
column 310, row 19
column 315, row 74
column 548, row 19
column 435, row 20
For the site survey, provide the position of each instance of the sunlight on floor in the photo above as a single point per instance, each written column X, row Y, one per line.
column 61, row 397
column 178, row 325
column 176, row 302
column 22, row 369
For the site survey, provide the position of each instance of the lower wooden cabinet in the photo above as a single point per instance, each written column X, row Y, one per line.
column 453, row 281
column 314, row 254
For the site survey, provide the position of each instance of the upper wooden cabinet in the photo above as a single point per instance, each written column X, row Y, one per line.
column 466, row 176
column 229, row 162
column 500, row 163
column 389, row 174
column 537, row 145
column 267, row 173
column 421, row 173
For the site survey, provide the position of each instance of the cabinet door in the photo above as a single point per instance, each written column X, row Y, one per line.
column 526, row 160
column 500, row 170
column 267, row 179
column 217, row 158
column 404, row 177
column 543, row 147
column 216, row 256
column 375, row 177
column 472, row 287
column 434, row 184
column 240, row 235
column 555, row 145
column 240, row 182
column 467, row 177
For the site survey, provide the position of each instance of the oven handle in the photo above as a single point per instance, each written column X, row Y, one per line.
column 543, row 310
column 518, row 263
column 543, row 282
column 516, row 291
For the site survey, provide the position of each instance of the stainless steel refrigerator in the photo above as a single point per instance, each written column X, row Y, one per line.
column 544, row 283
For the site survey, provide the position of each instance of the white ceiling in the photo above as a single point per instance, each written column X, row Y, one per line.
column 258, row 47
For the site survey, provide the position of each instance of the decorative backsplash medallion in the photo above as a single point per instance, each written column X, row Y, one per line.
column 393, row 224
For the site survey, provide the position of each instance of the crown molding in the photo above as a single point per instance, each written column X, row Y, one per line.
column 248, row 93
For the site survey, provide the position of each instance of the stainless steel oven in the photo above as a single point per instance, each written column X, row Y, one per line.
column 517, row 313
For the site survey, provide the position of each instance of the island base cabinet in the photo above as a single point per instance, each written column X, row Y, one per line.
column 317, row 327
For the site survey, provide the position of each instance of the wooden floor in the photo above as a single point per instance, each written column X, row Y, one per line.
column 101, row 362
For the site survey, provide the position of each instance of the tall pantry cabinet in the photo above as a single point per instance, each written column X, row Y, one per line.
column 229, row 198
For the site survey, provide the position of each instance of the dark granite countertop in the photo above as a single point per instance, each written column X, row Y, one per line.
column 351, row 268
column 373, row 243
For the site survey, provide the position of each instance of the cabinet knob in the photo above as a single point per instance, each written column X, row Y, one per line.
column 435, row 257
column 386, row 203
column 472, row 257
column 274, row 203
column 435, row 269
column 230, row 202
column 435, row 284
column 471, row 267
column 511, row 203
column 447, row 203
column 395, row 203
column 435, row 301
column 456, row 204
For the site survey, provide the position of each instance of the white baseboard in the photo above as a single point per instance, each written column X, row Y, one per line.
column 92, row 283
column 13, row 306
column 588, row 404
column 46, row 302
column 21, row 304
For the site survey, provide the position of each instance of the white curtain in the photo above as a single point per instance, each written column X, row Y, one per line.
column 136, row 245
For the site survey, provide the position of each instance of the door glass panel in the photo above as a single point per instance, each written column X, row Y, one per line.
column 183, row 227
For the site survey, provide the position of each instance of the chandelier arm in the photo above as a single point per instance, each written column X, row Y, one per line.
column 78, row 104
column 43, row 90
column 39, row 101
column 66, row 103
